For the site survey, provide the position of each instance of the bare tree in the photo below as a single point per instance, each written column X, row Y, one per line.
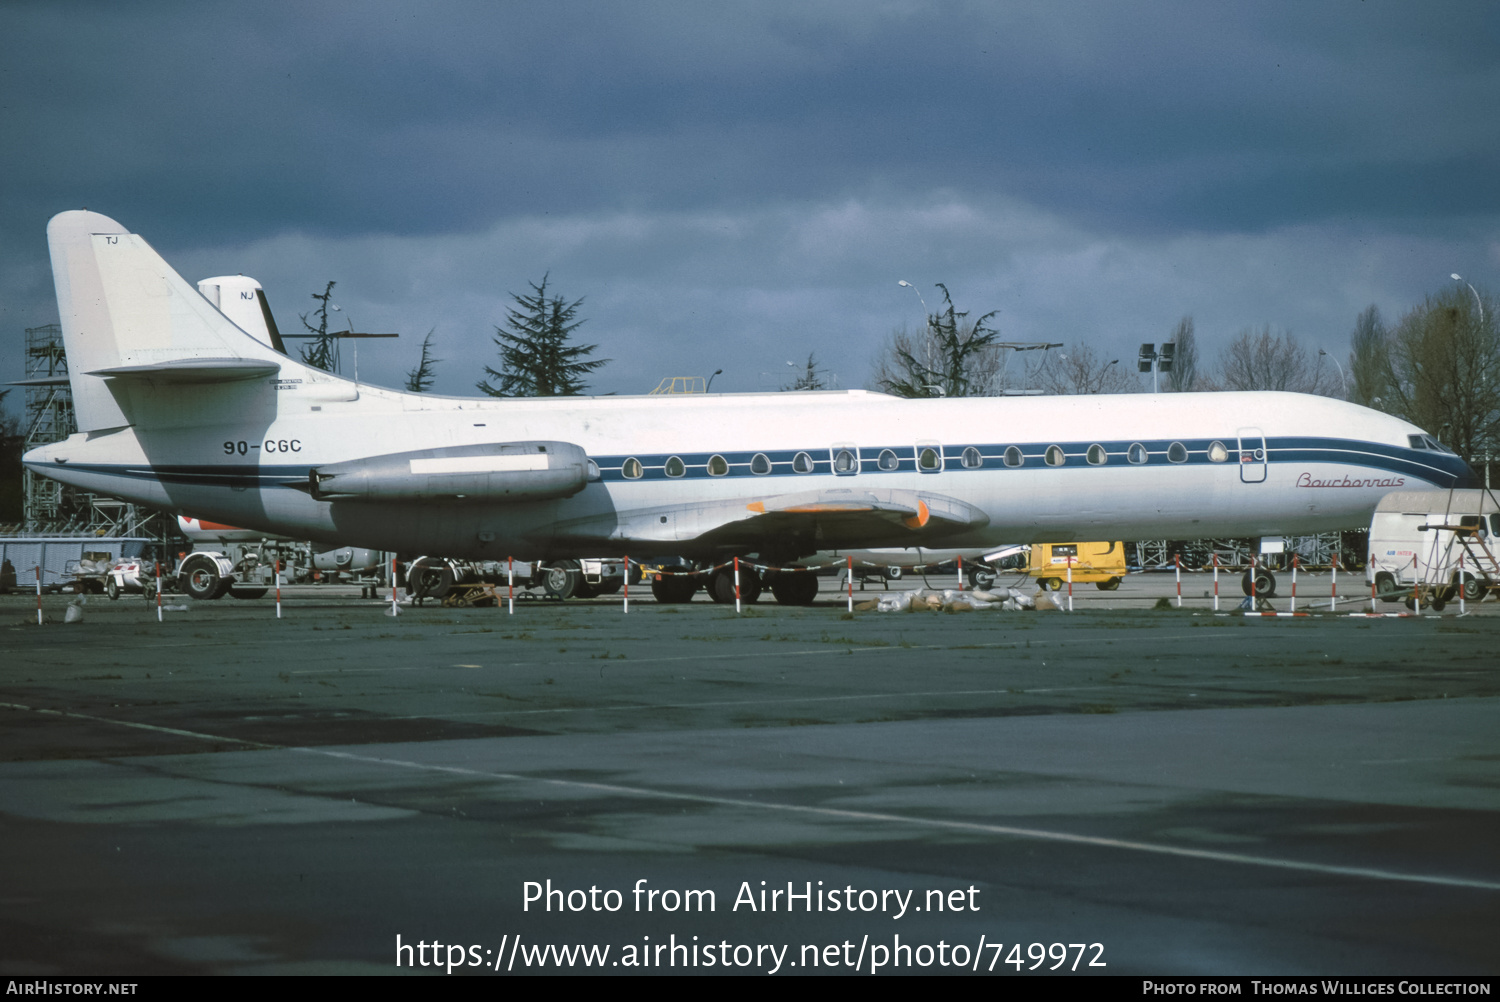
column 419, row 380
column 1184, row 375
column 952, row 357
column 323, row 352
column 1370, row 361
column 1080, row 369
column 811, row 378
column 1444, row 372
column 1268, row 361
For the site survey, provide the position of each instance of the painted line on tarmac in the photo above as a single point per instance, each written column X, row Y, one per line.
column 834, row 813
column 1035, row 834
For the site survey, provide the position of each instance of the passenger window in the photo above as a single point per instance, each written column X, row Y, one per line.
column 676, row 467
column 632, row 469
column 972, row 460
column 1136, row 454
column 1177, row 453
column 888, row 460
column 1217, row 453
column 717, row 466
column 1013, row 457
column 844, row 463
column 761, row 464
column 928, row 460
column 1097, row 456
column 1055, row 455
column 802, row 463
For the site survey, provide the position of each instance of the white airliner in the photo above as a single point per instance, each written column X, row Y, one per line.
column 180, row 409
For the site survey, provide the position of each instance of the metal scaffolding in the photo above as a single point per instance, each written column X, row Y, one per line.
column 48, row 506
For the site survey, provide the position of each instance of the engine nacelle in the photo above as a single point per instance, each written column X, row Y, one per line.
column 348, row 558
column 501, row 472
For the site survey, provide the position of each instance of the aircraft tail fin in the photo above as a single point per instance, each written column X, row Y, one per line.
column 127, row 316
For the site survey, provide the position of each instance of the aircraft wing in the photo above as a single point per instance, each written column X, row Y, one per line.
column 821, row 519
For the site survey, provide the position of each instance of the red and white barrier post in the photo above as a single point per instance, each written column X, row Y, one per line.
column 1177, row 559
column 851, row 583
column 510, row 584
column 626, row 571
column 1294, row 582
column 1216, row 582
column 276, row 569
column 1333, row 605
column 39, row 594
column 736, row 585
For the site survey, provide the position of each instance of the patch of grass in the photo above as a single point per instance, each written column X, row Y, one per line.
column 1097, row 708
column 1163, row 603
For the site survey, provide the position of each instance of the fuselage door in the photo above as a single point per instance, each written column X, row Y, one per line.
column 1252, row 456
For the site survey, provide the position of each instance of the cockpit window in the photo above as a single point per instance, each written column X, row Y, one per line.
column 1417, row 441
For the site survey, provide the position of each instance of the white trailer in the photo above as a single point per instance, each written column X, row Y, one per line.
column 1435, row 542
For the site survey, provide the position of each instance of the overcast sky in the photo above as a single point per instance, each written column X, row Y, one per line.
column 734, row 185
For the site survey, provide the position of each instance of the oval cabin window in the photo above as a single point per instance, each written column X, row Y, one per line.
column 676, row 467
column 1177, row 453
column 1055, row 456
column 1013, row 457
column 761, row 464
column 632, row 469
column 888, row 460
column 929, row 461
column 1136, row 453
column 844, row 463
column 972, row 460
column 802, row 463
column 717, row 466
column 1097, row 455
column 1217, row 453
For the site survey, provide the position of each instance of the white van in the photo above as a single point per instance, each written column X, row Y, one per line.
column 1437, row 539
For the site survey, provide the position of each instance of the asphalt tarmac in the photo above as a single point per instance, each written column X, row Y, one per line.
column 1157, row 791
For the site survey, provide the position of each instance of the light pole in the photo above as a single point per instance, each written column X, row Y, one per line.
column 711, row 380
column 1477, row 301
column 1344, row 383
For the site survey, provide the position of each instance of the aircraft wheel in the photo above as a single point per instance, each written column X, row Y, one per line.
column 429, row 579
column 610, row 587
column 1411, row 604
column 1111, row 585
column 1386, row 587
column 112, row 589
column 1265, row 583
column 721, row 585
column 893, row 573
column 674, row 589
column 1437, row 603
column 242, row 591
column 584, row 589
column 562, row 579
column 795, row 588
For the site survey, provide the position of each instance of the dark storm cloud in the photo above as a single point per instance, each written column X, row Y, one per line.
column 731, row 184
column 351, row 118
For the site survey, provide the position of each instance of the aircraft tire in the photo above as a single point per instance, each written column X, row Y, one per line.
column 893, row 573
column 610, row 587
column 562, row 579
column 674, row 589
column 199, row 579
column 1265, row 583
column 795, row 588
column 112, row 589
column 1111, row 585
column 721, row 586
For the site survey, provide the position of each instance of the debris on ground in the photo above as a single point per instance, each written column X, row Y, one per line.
column 953, row 600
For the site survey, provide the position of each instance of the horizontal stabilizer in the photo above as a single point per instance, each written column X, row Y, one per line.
column 194, row 370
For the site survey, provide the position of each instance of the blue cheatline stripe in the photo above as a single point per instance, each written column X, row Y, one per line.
column 1439, row 468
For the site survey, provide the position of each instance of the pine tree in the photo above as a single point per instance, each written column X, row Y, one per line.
column 323, row 352
column 536, row 359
